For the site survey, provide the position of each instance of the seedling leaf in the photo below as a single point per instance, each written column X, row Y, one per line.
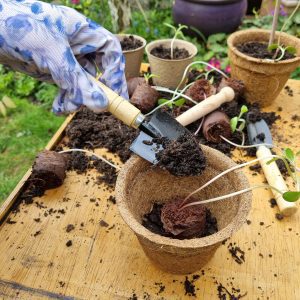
column 8, row 102
column 290, row 49
column 273, row 47
column 244, row 109
column 179, row 102
column 291, row 196
column 163, row 101
column 233, row 123
column 289, row 154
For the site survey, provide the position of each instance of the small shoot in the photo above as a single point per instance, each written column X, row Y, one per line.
column 283, row 50
column 238, row 123
column 167, row 102
column 148, row 76
column 177, row 32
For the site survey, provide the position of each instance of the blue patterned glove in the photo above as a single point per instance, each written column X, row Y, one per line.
column 58, row 44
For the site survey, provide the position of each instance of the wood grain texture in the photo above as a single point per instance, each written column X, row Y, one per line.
column 108, row 262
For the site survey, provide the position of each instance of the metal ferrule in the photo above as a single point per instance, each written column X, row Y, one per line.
column 138, row 121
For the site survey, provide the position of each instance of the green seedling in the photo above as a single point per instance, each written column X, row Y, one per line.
column 177, row 32
column 176, row 103
column 280, row 48
column 148, row 76
column 288, row 157
column 5, row 104
column 238, row 123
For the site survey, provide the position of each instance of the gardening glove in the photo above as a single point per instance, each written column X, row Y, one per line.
column 58, row 44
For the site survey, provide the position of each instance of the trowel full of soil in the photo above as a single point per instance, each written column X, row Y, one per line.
column 148, row 147
column 161, row 125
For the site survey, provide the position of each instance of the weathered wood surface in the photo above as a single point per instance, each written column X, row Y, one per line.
column 108, row 263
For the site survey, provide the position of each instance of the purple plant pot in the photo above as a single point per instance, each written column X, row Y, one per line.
column 210, row 16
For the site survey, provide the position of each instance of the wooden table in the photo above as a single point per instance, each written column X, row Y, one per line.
column 108, row 262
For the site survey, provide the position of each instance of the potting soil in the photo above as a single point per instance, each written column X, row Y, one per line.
column 165, row 53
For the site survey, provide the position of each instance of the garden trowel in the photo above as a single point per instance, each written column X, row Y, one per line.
column 259, row 134
column 161, row 124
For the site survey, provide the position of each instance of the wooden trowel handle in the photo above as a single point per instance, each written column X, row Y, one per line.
column 206, row 106
column 275, row 179
column 121, row 108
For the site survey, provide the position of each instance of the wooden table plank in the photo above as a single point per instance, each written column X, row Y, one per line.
column 108, row 263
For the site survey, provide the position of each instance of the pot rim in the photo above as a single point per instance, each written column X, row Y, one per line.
column 221, row 235
column 232, row 37
column 120, row 35
column 158, row 42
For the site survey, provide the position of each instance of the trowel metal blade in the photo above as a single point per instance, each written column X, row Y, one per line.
column 254, row 129
column 166, row 126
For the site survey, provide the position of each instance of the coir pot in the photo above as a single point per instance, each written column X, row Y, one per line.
column 140, row 184
column 263, row 78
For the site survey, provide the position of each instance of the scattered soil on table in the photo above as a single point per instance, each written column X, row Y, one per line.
column 200, row 90
column 70, row 227
column 289, row 91
column 189, row 286
column 109, row 176
column 224, row 293
column 90, row 130
column 79, row 162
column 69, row 243
column 279, row 216
column 273, row 202
column 165, row 53
column 130, row 43
column 260, row 50
column 182, row 157
column 153, row 222
column 144, row 97
column 237, row 253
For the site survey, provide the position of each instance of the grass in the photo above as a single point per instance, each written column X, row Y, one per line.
column 24, row 132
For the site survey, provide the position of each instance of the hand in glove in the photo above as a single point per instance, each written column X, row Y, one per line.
column 57, row 44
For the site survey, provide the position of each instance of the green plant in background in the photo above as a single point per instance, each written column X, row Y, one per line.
column 5, row 104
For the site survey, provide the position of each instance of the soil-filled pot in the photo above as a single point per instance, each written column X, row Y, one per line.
column 210, row 16
column 133, row 58
column 169, row 72
column 139, row 185
column 263, row 79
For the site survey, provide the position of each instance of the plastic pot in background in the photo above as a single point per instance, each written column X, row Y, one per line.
column 139, row 185
column 210, row 16
column 169, row 72
column 133, row 58
column 263, row 79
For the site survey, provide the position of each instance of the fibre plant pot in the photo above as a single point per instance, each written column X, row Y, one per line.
column 169, row 72
column 133, row 58
column 140, row 184
column 210, row 16
column 263, row 79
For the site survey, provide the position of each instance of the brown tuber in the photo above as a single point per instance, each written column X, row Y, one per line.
column 216, row 124
column 132, row 83
column 49, row 169
column 144, row 97
column 183, row 223
column 200, row 90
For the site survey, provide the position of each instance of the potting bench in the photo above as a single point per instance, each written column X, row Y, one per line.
column 105, row 261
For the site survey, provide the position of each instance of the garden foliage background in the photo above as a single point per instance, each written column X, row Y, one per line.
column 26, row 129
